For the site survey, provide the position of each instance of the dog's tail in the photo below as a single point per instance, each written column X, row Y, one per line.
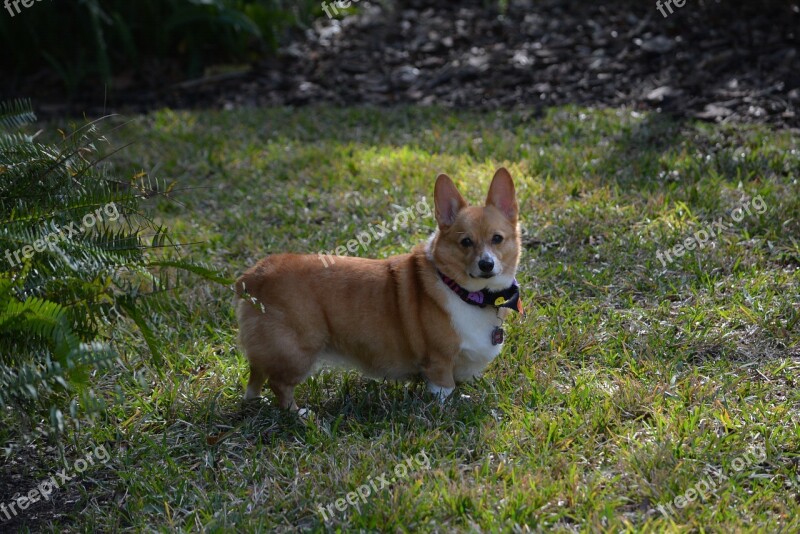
column 240, row 288
column 247, row 285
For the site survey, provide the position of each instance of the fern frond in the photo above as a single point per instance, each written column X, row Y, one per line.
column 77, row 255
column 16, row 113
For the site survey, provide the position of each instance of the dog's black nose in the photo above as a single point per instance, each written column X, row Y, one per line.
column 486, row 266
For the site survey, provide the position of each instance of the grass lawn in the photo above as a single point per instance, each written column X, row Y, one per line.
column 631, row 383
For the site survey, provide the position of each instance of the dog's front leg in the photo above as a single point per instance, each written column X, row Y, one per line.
column 440, row 392
column 439, row 375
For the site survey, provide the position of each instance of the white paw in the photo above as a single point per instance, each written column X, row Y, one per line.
column 441, row 392
column 251, row 393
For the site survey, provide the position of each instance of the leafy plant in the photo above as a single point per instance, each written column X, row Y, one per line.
column 97, row 39
column 78, row 256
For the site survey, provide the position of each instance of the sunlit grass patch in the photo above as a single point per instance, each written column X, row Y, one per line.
column 624, row 384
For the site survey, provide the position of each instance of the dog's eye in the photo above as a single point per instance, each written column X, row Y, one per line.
column 497, row 239
column 466, row 242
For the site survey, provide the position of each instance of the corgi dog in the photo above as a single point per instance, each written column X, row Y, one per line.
column 434, row 313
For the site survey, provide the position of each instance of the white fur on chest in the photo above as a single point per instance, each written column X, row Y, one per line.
column 474, row 326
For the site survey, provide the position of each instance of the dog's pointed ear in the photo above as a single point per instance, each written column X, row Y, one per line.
column 502, row 195
column 448, row 201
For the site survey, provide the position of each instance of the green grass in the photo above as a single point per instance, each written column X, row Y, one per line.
column 626, row 384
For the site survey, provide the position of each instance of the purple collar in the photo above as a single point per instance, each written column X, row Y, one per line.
column 506, row 298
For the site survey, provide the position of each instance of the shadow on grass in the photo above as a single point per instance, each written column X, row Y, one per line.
column 333, row 406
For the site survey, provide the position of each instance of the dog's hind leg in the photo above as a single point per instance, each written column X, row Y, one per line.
column 284, row 393
column 255, row 383
column 282, row 363
column 277, row 352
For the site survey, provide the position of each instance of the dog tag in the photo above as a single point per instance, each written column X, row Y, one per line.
column 497, row 336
